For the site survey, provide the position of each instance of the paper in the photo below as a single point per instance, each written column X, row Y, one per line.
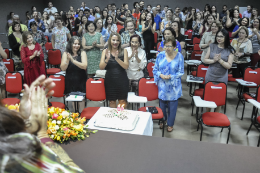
column 150, row 82
column 204, row 68
column 6, row 62
column 215, row 87
column 255, row 72
column 11, row 77
column 96, row 82
column 197, row 54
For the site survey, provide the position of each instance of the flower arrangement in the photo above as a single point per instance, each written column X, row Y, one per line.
column 13, row 107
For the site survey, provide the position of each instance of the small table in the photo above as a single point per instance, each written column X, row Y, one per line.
column 76, row 99
column 61, row 73
column 190, row 63
column 192, row 81
column 144, row 125
column 132, row 98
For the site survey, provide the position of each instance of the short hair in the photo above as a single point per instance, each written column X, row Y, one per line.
column 172, row 40
column 33, row 23
column 86, row 10
column 88, row 23
column 113, row 4
column 13, row 25
column 170, row 29
column 96, row 20
column 129, row 20
column 70, row 45
column 25, row 36
column 218, row 24
column 138, row 37
column 246, row 30
column 240, row 22
column 58, row 18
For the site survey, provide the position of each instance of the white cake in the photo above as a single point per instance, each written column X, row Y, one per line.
column 123, row 120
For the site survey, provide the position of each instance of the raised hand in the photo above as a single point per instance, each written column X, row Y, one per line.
column 116, row 55
column 69, row 57
column 108, row 54
column 38, row 53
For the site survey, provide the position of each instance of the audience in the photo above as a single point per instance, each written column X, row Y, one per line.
column 254, row 36
column 168, row 20
column 37, row 35
column 17, row 19
column 11, row 20
column 196, row 24
column 223, row 13
column 157, row 18
column 3, row 71
column 48, row 23
column 109, row 25
column 231, row 20
column 205, row 27
column 51, row 10
column 39, row 22
column 169, row 32
column 214, row 12
column 82, row 26
column 190, row 18
column 89, row 16
column 141, row 21
column 243, row 22
column 248, row 12
column 181, row 38
column 102, row 30
column 253, row 16
column 15, row 39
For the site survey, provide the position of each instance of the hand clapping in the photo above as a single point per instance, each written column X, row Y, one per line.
column 108, row 54
column 217, row 57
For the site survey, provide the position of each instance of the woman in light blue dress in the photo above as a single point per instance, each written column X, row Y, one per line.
column 168, row 69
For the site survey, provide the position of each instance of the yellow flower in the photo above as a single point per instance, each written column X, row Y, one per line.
column 53, row 130
column 58, row 138
column 59, row 117
column 78, row 127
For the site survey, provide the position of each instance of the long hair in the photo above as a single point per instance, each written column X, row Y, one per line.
column 226, row 41
column 209, row 9
column 179, row 27
column 69, row 46
column 96, row 20
column 252, row 26
column 25, row 36
column 215, row 8
column 16, row 23
column 120, row 50
column 206, row 19
column 140, row 19
column 252, row 16
column 152, row 16
column 240, row 21
column 102, row 17
column 106, row 24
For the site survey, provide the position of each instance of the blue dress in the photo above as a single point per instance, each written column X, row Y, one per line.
column 170, row 89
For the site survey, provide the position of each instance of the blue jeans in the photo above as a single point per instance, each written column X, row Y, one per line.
column 172, row 109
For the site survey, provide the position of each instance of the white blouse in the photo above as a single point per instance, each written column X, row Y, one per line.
column 135, row 69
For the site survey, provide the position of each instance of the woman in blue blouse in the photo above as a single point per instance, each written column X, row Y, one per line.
column 168, row 69
column 243, row 22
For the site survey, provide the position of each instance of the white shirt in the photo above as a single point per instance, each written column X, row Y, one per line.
column 84, row 8
column 52, row 10
column 135, row 69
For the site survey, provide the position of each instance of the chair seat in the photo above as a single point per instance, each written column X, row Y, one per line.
column 194, row 73
column 199, row 92
column 246, row 96
column 89, row 112
column 58, row 105
column 258, row 119
column 154, row 116
column 10, row 101
column 215, row 119
column 53, row 70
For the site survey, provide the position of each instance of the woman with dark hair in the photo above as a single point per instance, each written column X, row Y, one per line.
column 119, row 19
column 231, row 20
column 178, row 19
column 92, row 42
column 254, row 36
column 196, row 25
column 48, row 23
column 141, row 21
column 102, row 30
column 214, row 12
column 66, row 21
column 184, row 14
column 97, row 12
column 28, row 17
column 243, row 22
column 11, row 20
column 168, row 70
column 134, row 5
column 169, row 32
column 207, row 10
column 137, row 61
column 148, row 29
column 190, row 18
column 74, row 62
column 115, row 61
column 82, row 27
column 104, row 16
column 32, row 58
column 109, row 25
column 205, row 27
column 220, row 58
column 179, row 37
column 15, row 39
column 37, row 35
column 253, row 16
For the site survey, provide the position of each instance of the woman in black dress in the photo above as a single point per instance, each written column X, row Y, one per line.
column 115, row 61
column 74, row 62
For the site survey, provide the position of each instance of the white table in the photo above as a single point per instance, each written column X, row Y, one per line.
column 190, row 83
column 144, row 125
column 132, row 98
column 245, row 83
column 76, row 99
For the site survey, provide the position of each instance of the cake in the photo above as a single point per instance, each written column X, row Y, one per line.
column 117, row 118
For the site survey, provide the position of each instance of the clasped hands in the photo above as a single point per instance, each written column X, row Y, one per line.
column 108, row 55
column 217, row 57
column 165, row 76
column 36, row 53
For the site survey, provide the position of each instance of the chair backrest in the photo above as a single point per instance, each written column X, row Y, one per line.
column 201, row 71
column 9, row 63
column 13, row 82
column 196, row 47
column 196, row 55
column 74, row 33
column 189, row 35
column 44, row 65
column 196, row 40
column 47, row 38
column 148, row 88
column 155, row 37
column 59, row 88
column 48, row 46
column 150, row 66
column 215, row 92
column 7, row 53
column 54, row 57
column 252, row 75
column 95, row 89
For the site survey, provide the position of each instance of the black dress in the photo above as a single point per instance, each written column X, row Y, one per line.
column 75, row 79
column 116, row 80
column 148, row 37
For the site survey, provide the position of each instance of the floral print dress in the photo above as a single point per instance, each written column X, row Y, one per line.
column 60, row 38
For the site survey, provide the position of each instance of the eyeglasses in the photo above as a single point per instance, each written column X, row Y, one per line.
column 220, row 36
column 168, row 46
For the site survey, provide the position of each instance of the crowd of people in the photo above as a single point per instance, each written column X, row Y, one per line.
column 119, row 41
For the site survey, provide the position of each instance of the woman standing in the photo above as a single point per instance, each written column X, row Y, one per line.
column 82, row 27
column 168, row 20
column 37, row 35
column 243, row 48
column 179, row 37
column 254, row 36
column 74, row 62
column 169, row 32
column 244, row 22
column 104, row 16
column 141, row 21
column 115, row 61
column 48, row 23
column 109, row 25
column 205, row 27
column 97, row 12
column 119, row 20
column 137, row 61
column 60, row 36
column 214, row 12
column 32, row 58
column 15, row 39
column 190, row 18
column 220, row 58
column 92, row 42
column 209, row 37
column 231, row 20
column 3, row 71
column 253, row 16
column 196, row 24
column 148, row 29
column 168, row 70
column 102, row 30
column 184, row 14
column 207, row 10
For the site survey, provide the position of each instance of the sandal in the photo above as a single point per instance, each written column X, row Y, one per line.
column 161, row 125
column 169, row 129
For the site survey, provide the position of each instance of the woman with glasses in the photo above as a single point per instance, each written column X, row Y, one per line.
column 254, row 36
column 220, row 57
column 168, row 70
column 169, row 32
column 137, row 61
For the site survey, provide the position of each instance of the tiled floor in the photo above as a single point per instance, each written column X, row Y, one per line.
column 186, row 126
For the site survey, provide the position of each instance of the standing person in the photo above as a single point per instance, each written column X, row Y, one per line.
column 15, row 39
column 148, row 29
column 254, row 36
column 28, row 17
column 92, row 42
column 248, row 12
column 157, row 18
column 181, row 38
column 253, row 16
column 39, row 22
column 137, row 13
column 220, row 58
column 214, row 12
column 160, row 12
column 74, row 62
column 168, row 70
column 190, row 18
column 16, row 18
column 168, row 20
column 115, row 61
column 32, row 58
column 184, row 13
column 243, row 49
column 141, row 21
column 209, row 37
column 97, row 12
column 244, row 22
column 71, row 11
column 207, row 10
column 83, row 6
column 178, row 12
column 205, row 27
column 3, row 71
column 66, row 20
column 60, row 34
column 196, row 25
column 10, row 21
column 109, row 25
column 231, row 20
column 223, row 13
column 82, row 28
column 102, row 30
column 51, row 10
column 78, row 21
column 137, row 61
column 119, row 19
column 104, row 16
column 49, row 24
column 89, row 16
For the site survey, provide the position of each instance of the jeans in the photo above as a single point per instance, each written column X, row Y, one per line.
column 172, row 109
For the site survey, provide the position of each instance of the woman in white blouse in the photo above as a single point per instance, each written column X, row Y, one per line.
column 137, row 60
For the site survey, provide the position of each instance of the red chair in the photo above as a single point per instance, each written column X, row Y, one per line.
column 95, row 91
column 9, row 63
column 196, row 40
column 54, row 59
column 196, row 55
column 8, row 53
column 48, row 46
column 14, row 85
column 214, row 93
column 232, row 79
column 196, row 47
column 250, row 75
column 155, row 37
column 59, row 89
column 189, row 44
column 147, row 88
column 150, row 66
column 255, row 119
column 47, row 38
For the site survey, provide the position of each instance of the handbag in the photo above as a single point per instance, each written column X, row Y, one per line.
column 153, row 110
